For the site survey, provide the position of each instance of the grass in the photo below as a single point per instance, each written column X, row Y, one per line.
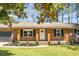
column 43, row 51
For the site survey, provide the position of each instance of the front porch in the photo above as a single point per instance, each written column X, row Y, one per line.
column 34, row 35
column 38, row 35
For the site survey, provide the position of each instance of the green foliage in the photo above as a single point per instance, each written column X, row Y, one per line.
column 49, row 43
column 71, row 41
column 18, row 42
column 7, row 9
column 49, row 10
column 27, row 42
column 60, row 50
column 58, row 42
column 37, row 43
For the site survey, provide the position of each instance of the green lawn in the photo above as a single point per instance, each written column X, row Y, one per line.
column 44, row 51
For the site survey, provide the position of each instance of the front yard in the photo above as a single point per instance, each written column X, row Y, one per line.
column 59, row 50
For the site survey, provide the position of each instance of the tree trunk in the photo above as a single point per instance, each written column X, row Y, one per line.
column 57, row 16
column 76, row 12
column 62, row 16
column 68, row 13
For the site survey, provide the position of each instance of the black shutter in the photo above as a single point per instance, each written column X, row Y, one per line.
column 54, row 32
column 21, row 32
column 34, row 32
column 62, row 32
column 75, row 30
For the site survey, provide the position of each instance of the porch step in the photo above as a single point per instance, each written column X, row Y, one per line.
column 56, row 42
column 43, row 43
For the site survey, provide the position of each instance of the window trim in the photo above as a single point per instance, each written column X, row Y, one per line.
column 59, row 32
column 27, row 32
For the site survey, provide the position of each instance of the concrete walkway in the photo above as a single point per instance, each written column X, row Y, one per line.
column 4, row 43
column 10, row 45
column 39, row 46
column 32, row 44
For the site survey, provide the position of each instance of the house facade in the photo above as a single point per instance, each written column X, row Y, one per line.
column 32, row 31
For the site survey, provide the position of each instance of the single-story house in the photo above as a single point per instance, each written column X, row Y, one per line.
column 37, row 32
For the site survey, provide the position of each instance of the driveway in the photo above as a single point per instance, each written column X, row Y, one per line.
column 4, row 40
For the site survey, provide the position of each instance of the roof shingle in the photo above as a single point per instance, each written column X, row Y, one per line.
column 41, row 25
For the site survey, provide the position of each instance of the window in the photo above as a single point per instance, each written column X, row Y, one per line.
column 58, row 32
column 77, row 31
column 30, row 33
column 27, row 32
column 5, row 34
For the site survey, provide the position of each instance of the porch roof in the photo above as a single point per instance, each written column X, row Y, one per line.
column 41, row 25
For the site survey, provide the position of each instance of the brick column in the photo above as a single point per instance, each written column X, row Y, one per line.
column 49, row 35
column 66, row 37
column 37, row 36
column 18, row 37
column 66, row 34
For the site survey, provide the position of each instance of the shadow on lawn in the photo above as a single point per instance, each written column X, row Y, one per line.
column 72, row 47
column 5, row 53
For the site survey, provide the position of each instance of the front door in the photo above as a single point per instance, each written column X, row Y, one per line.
column 42, row 34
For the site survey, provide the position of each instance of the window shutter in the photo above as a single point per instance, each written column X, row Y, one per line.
column 75, row 31
column 34, row 32
column 62, row 32
column 54, row 32
column 21, row 32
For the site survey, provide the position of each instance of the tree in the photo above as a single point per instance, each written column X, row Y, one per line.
column 7, row 9
column 77, row 12
column 62, row 15
column 68, row 11
column 48, row 10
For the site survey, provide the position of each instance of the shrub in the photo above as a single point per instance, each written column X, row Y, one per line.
column 13, row 41
column 49, row 43
column 18, row 42
column 71, row 41
column 27, row 42
column 37, row 43
column 58, row 42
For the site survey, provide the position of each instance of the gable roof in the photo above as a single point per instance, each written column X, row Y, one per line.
column 41, row 25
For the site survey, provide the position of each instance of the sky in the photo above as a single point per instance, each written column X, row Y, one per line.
column 73, row 17
column 31, row 13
